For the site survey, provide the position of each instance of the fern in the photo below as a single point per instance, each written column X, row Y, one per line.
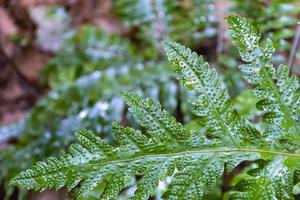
column 277, row 19
column 278, row 93
column 185, row 21
column 83, row 97
column 194, row 162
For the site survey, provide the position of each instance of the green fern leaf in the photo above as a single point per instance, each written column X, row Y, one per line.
column 211, row 99
column 274, row 180
column 279, row 94
column 193, row 163
column 158, row 122
column 91, row 165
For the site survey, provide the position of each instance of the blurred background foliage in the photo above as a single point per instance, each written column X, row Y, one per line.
column 90, row 51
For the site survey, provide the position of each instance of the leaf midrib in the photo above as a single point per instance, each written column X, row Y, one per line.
column 206, row 151
column 179, row 154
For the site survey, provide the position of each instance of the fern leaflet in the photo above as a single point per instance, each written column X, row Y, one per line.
column 279, row 93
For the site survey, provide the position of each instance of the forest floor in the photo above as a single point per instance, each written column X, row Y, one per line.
column 22, row 57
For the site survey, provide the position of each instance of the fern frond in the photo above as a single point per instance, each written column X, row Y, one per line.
column 274, row 180
column 211, row 100
column 279, row 94
column 93, row 162
column 166, row 149
column 158, row 122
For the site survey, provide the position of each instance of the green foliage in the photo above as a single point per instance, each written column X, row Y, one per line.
column 276, row 18
column 192, row 163
column 88, row 50
column 187, row 22
column 85, row 95
column 278, row 93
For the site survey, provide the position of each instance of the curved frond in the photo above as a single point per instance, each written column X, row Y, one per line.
column 279, row 93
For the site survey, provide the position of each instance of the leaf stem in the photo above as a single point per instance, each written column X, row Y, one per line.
column 207, row 151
